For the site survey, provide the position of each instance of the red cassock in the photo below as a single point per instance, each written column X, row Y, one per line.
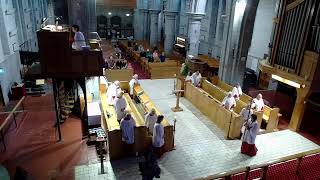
column 248, row 149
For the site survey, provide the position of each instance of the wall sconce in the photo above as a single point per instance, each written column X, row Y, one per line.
column 127, row 14
column 109, row 13
column 287, row 81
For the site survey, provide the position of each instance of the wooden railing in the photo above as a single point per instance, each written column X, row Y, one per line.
column 263, row 166
column 7, row 121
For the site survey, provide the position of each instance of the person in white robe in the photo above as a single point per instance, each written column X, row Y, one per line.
column 133, row 82
column 229, row 102
column 196, row 78
column 249, row 136
column 189, row 77
column 120, row 106
column 158, row 137
column 237, row 91
column 112, row 92
column 150, row 120
column 257, row 103
column 127, row 125
column 245, row 113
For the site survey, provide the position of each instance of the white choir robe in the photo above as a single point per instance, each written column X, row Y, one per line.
column 246, row 113
column 150, row 121
column 127, row 129
column 112, row 93
column 120, row 105
column 250, row 134
column 236, row 92
column 229, row 102
column 189, row 78
column 158, row 135
column 258, row 104
column 132, row 83
column 196, row 79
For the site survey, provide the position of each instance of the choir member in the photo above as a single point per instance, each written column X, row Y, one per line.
column 120, row 106
column 245, row 113
column 158, row 137
column 79, row 39
column 229, row 102
column 112, row 92
column 258, row 103
column 237, row 91
column 196, row 78
column 133, row 82
column 150, row 120
column 127, row 125
column 248, row 138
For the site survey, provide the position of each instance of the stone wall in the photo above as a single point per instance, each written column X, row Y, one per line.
column 19, row 21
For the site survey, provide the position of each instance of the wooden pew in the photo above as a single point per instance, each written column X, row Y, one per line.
column 148, row 104
column 163, row 70
column 119, row 74
column 111, row 125
column 210, row 107
column 270, row 115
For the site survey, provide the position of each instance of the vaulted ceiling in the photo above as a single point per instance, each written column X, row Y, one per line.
column 130, row 4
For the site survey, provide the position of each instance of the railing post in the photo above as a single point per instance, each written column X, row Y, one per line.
column 265, row 171
column 247, row 173
column 227, row 177
column 298, row 167
column 2, row 137
column 22, row 106
column 14, row 118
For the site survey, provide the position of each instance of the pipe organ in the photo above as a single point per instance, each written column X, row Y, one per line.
column 297, row 30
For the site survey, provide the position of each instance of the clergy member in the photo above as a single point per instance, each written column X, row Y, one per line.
column 127, row 125
column 150, row 120
column 79, row 39
column 112, row 92
column 229, row 102
column 237, row 91
column 248, row 138
column 196, row 78
column 257, row 103
column 133, row 82
column 120, row 106
column 158, row 137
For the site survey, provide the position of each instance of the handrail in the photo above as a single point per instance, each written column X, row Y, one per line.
column 11, row 113
column 256, row 166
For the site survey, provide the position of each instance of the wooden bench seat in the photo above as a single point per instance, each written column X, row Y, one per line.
column 119, row 74
column 148, row 104
column 111, row 125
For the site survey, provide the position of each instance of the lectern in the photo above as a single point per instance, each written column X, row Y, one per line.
column 177, row 108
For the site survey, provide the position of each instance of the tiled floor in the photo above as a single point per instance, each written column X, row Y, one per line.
column 200, row 149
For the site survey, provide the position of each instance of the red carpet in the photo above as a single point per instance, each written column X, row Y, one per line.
column 33, row 144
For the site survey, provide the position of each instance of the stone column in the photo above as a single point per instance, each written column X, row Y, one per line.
column 170, row 29
column 154, row 17
column 145, row 23
column 138, row 28
column 194, row 33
